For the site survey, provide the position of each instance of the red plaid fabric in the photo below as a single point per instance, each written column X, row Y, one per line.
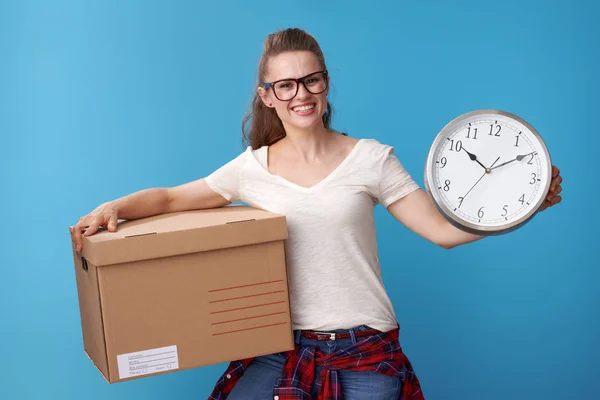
column 380, row 353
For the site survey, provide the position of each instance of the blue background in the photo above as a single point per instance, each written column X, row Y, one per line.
column 101, row 99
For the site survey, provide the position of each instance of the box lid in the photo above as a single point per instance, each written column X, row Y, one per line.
column 183, row 233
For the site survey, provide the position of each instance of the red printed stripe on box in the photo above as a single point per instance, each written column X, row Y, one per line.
column 248, row 307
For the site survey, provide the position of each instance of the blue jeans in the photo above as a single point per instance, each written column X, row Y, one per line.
column 261, row 375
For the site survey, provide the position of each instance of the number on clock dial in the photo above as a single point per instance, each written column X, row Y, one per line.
column 474, row 135
column 495, row 129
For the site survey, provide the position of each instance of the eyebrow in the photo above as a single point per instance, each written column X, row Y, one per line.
column 303, row 76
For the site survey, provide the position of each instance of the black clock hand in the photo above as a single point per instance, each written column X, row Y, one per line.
column 517, row 158
column 473, row 157
column 486, row 171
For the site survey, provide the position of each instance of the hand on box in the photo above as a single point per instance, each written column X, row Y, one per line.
column 104, row 215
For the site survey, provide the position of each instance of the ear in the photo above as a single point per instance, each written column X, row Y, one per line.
column 264, row 96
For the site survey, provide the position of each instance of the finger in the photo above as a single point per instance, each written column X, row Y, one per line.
column 93, row 228
column 77, row 233
column 555, row 182
column 554, row 192
column 551, row 202
column 112, row 223
column 555, row 171
column 556, row 200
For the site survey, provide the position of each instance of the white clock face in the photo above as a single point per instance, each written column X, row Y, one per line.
column 488, row 171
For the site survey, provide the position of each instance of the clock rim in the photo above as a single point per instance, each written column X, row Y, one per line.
column 471, row 227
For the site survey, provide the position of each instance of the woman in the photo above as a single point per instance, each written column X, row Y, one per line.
column 326, row 184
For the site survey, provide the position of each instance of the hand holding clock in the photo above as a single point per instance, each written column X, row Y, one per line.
column 511, row 198
column 552, row 197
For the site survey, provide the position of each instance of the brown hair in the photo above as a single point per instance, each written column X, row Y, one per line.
column 265, row 127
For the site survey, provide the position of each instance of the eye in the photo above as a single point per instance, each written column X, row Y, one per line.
column 285, row 85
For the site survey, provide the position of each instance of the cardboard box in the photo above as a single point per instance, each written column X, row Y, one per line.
column 184, row 290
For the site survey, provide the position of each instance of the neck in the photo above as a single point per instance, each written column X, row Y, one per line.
column 307, row 144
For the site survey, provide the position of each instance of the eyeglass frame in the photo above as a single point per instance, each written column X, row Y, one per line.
column 298, row 81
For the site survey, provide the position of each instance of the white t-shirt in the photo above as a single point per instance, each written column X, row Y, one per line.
column 331, row 250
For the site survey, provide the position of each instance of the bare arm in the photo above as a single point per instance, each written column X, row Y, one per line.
column 145, row 203
column 418, row 213
column 189, row 196
column 192, row 196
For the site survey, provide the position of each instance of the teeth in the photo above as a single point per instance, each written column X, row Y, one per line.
column 304, row 108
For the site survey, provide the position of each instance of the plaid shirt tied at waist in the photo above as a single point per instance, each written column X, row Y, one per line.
column 380, row 353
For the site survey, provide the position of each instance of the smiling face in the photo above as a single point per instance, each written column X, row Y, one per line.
column 305, row 110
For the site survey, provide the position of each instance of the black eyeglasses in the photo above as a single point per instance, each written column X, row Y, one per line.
column 287, row 89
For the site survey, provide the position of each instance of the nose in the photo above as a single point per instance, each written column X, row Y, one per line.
column 302, row 92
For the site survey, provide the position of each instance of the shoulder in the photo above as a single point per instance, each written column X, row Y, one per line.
column 249, row 153
column 363, row 146
column 375, row 150
column 375, row 145
column 258, row 155
column 239, row 160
